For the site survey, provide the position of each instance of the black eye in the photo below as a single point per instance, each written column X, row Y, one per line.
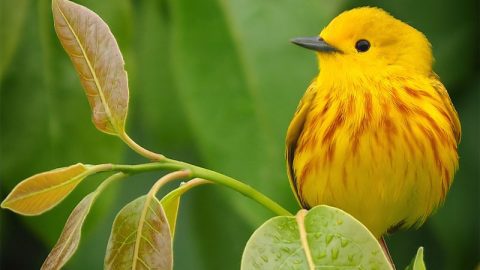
column 362, row 45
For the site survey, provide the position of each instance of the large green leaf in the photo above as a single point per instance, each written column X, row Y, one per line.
column 223, row 62
column 212, row 87
column 157, row 114
column 12, row 13
column 322, row 238
column 232, row 83
column 264, row 58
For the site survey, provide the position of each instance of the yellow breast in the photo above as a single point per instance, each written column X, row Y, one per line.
column 385, row 153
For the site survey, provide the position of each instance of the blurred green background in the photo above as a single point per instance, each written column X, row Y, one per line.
column 215, row 83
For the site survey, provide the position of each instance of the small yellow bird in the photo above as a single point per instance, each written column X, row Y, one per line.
column 375, row 134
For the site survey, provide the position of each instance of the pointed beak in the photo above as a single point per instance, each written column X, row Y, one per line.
column 314, row 43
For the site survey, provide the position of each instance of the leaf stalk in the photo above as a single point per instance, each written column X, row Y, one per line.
column 139, row 149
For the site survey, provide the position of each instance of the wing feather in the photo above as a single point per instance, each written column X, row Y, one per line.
column 447, row 102
column 293, row 133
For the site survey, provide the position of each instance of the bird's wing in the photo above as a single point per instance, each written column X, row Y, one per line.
column 293, row 133
column 447, row 102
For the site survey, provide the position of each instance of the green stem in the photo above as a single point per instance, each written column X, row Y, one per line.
column 184, row 187
column 195, row 171
column 236, row 185
column 139, row 149
column 109, row 180
column 166, row 179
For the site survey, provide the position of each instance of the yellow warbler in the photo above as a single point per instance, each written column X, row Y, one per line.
column 375, row 134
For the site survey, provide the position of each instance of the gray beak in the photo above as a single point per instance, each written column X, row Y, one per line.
column 314, row 43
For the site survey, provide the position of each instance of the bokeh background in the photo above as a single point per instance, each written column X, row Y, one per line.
column 214, row 83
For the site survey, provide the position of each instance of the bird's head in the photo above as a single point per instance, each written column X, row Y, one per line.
column 369, row 38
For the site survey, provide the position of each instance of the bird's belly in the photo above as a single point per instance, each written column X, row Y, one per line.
column 379, row 176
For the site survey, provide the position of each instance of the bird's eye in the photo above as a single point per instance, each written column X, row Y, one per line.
column 362, row 45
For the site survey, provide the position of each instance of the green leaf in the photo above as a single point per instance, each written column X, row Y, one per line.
column 171, row 201
column 12, row 18
column 239, row 81
column 99, row 63
column 217, row 100
column 243, row 97
column 163, row 123
column 140, row 237
column 43, row 191
column 170, row 205
column 324, row 237
column 417, row 262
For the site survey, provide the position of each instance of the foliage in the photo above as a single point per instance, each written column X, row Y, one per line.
column 417, row 262
column 323, row 237
column 142, row 235
column 231, row 57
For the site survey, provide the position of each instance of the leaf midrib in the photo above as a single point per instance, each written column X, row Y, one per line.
column 141, row 221
column 300, row 219
column 76, row 178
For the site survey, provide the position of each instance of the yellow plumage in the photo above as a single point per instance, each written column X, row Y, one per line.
column 375, row 133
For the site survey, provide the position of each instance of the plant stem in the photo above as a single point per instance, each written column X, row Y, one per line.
column 109, row 180
column 238, row 186
column 165, row 179
column 164, row 163
column 185, row 187
column 213, row 176
column 139, row 149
